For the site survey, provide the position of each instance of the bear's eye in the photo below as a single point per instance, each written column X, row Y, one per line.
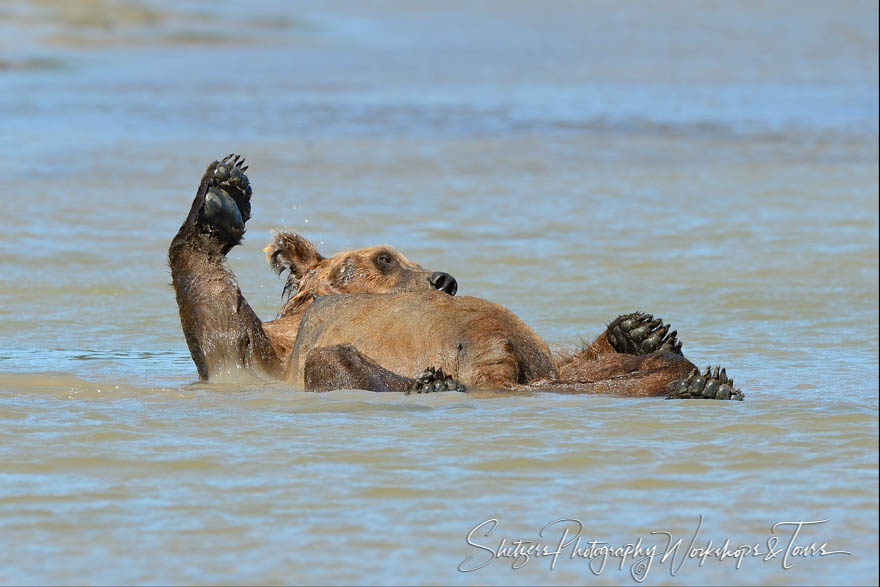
column 384, row 259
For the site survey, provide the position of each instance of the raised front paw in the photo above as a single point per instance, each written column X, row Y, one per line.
column 640, row 334
column 709, row 385
column 431, row 380
column 228, row 197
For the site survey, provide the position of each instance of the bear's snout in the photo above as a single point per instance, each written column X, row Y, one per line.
column 444, row 282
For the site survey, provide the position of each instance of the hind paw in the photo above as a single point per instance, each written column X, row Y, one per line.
column 227, row 205
column 432, row 380
column 640, row 334
column 709, row 385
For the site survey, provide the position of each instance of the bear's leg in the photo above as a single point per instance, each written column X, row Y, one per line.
column 224, row 335
column 342, row 366
column 658, row 374
column 638, row 355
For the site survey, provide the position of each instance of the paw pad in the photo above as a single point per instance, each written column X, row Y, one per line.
column 432, row 380
column 640, row 334
column 709, row 385
column 221, row 211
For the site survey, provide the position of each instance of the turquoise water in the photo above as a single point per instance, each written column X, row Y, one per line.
column 572, row 161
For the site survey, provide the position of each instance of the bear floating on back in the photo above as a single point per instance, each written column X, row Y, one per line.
column 371, row 319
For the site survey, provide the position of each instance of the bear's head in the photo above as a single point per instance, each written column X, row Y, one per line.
column 379, row 269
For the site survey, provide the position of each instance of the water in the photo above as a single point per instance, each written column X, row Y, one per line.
column 572, row 161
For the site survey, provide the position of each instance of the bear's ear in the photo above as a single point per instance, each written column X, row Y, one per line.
column 292, row 252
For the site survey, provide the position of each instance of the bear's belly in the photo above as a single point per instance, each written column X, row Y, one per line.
column 479, row 343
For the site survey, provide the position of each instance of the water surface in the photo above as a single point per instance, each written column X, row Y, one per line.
column 572, row 161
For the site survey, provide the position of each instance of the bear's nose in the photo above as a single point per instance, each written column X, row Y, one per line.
column 444, row 282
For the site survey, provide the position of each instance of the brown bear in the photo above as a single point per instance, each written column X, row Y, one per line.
column 371, row 319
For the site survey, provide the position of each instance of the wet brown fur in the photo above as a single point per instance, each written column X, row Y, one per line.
column 479, row 343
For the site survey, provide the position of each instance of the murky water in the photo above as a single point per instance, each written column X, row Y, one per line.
column 572, row 161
